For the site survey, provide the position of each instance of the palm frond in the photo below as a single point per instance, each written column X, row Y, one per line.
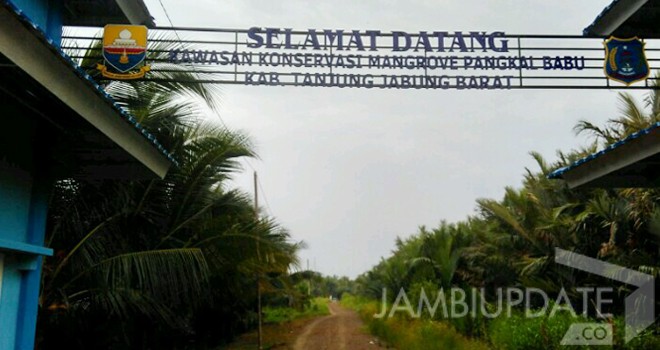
column 167, row 275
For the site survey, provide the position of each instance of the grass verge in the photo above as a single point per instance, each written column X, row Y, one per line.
column 282, row 326
column 317, row 307
column 410, row 334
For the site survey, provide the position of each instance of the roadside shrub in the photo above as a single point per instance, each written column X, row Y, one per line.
column 521, row 333
column 403, row 332
column 316, row 307
column 648, row 340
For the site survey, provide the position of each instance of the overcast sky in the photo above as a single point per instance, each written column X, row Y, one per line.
column 349, row 170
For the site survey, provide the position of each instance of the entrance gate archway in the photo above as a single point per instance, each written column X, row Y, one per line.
column 387, row 60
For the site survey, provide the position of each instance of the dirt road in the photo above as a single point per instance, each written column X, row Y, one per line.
column 342, row 330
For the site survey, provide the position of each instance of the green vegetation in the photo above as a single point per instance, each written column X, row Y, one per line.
column 162, row 263
column 511, row 243
column 523, row 333
column 405, row 333
column 315, row 284
column 175, row 262
column 517, row 332
column 317, row 307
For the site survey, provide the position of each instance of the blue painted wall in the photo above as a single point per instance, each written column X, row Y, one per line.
column 16, row 164
column 8, row 303
column 46, row 13
column 24, row 190
column 23, row 210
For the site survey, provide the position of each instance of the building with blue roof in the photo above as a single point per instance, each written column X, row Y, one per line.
column 635, row 160
column 58, row 124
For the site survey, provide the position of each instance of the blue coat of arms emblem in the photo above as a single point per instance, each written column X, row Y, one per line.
column 625, row 60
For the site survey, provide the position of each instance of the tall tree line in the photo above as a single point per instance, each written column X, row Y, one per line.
column 510, row 242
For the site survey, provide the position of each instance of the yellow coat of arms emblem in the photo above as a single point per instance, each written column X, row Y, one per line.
column 124, row 49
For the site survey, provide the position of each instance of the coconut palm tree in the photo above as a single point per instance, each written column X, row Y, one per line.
column 146, row 258
column 632, row 118
column 441, row 249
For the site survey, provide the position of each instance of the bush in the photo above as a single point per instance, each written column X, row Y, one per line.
column 518, row 332
column 648, row 340
column 419, row 334
column 316, row 307
column 411, row 334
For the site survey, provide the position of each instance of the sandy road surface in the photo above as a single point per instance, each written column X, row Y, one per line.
column 342, row 330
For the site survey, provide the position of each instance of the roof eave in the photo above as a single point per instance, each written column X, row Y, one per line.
column 612, row 17
column 600, row 169
column 36, row 58
column 136, row 12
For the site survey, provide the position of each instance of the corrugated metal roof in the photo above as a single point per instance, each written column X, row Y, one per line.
column 41, row 34
column 559, row 172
